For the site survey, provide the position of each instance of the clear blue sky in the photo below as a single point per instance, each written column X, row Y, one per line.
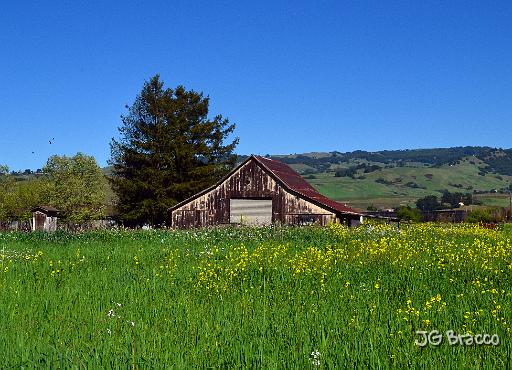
column 294, row 76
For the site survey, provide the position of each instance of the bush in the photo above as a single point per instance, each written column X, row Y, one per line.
column 345, row 172
column 479, row 215
column 409, row 214
column 382, row 180
column 412, row 184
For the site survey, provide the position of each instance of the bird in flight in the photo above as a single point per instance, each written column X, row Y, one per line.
column 50, row 141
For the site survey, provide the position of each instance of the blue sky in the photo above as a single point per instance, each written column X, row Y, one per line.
column 295, row 76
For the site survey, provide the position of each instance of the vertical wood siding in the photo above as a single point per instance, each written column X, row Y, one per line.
column 249, row 181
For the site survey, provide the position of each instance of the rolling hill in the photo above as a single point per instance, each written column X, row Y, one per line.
column 391, row 178
column 387, row 179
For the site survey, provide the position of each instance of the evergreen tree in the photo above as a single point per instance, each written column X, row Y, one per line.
column 168, row 151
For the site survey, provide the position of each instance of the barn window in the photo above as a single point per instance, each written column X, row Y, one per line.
column 250, row 211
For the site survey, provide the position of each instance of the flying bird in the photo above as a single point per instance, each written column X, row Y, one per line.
column 50, row 141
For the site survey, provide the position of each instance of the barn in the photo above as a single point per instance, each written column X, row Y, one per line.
column 261, row 191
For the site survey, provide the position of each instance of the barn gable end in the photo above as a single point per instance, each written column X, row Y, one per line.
column 259, row 193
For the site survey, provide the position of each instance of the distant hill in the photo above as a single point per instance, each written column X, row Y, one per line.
column 390, row 178
column 399, row 177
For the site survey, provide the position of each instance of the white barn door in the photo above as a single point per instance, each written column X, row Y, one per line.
column 250, row 211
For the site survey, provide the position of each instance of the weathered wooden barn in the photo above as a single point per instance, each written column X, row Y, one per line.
column 261, row 191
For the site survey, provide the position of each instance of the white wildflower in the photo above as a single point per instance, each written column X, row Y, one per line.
column 315, row 358
column 109, row 331
column 111, row 313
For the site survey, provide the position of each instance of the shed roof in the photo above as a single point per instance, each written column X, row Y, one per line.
column 290, row 180
column 45, row 209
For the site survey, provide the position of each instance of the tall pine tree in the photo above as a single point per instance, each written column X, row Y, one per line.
column 168, row 151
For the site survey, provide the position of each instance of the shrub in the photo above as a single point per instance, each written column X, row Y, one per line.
column 409, row 214
column 479, row 215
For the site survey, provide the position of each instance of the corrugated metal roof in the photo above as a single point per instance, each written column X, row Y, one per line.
column 295, row 182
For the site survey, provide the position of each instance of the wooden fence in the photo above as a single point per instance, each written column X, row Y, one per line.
column 16, row 226
column 26, row 226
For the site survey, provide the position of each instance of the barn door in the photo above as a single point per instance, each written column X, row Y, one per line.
column 250, row 211
column 39, row 221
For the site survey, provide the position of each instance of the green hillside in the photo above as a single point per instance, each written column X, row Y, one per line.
column 391, row 178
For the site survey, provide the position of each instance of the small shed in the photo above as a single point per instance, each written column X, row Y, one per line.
column 261, row 191
column 44, row 218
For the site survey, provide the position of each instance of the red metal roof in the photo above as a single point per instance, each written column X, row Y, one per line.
column 295, row 182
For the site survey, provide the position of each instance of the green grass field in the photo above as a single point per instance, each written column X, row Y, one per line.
column 255, row 298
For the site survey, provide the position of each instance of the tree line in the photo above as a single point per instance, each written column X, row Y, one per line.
column 169, row 148
column 498, row 161
column 74, row 185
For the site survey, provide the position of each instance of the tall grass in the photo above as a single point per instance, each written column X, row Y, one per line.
column 254, row 298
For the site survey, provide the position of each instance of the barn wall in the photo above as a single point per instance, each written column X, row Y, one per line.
column 249, row 181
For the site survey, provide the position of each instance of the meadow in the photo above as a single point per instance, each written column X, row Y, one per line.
column 270, row 297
